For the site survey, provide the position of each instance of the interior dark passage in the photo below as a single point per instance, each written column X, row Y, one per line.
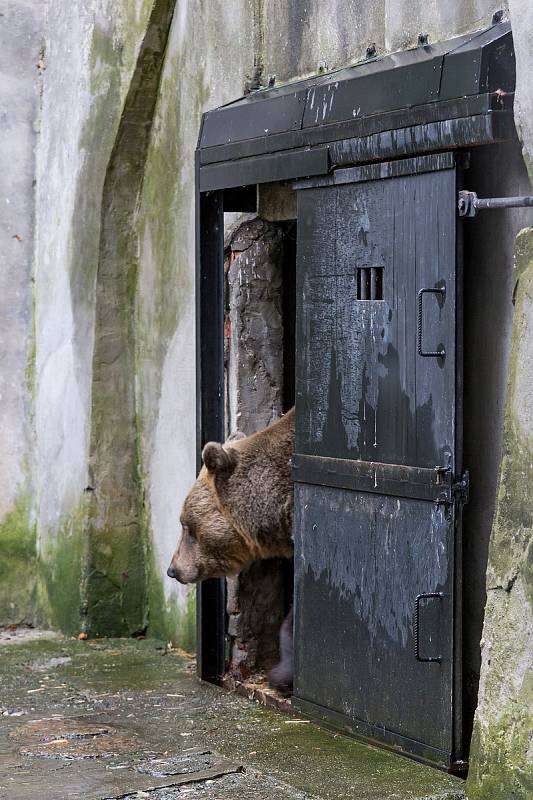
column 259, row 292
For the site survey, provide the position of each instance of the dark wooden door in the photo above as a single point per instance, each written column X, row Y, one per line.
column 377, row 454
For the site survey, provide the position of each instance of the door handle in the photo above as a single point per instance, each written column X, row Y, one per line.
column 421, row 352
column 423, row 596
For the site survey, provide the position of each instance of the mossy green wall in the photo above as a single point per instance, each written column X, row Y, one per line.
column 209, row 52
column 501, row 760
column 61, row 576
column 91, row 571
column 20, row 86
column 18, row 565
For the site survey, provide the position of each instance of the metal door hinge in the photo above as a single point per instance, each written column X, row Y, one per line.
column 469, row 203
column 462, row 487
column 458, row 489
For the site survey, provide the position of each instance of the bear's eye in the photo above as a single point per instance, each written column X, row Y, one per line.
column 188, row 532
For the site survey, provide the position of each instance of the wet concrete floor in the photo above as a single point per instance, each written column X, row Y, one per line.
column 124, row 718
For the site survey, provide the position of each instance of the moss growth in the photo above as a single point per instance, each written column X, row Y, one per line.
column 18, row 565
column 61, row 589
column 163, row 225
column 500, row 760
column 513, row 523
column 165, row 293
column 116, row 560
column 115, row 583
column 167, row 620
column 500, row 765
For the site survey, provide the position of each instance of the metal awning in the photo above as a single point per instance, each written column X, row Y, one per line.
column 433, row 97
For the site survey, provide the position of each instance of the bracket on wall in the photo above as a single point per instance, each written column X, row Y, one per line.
column 469, row 203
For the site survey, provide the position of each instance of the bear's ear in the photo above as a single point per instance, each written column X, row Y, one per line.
column 218, row 460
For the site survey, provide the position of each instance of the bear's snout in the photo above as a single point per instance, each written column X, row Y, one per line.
column 183, row 573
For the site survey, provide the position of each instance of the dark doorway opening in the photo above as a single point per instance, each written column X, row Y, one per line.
column 259, row 352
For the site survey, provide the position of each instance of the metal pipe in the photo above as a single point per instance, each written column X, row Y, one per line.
column 502, row 202
column 469, row 203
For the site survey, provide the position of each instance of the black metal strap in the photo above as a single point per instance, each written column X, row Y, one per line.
column 397, row 480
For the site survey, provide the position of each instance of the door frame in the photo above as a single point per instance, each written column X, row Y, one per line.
column 467, row 110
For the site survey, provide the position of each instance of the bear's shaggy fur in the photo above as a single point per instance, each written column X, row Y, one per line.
column 239, row 509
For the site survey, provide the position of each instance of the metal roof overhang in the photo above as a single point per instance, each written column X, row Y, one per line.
column 448, row 95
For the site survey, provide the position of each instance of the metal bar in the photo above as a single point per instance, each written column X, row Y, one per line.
column 434, row 485
column 494, row 126
column 210, row 596
column 469, row 203
column 364, row 293
column 456, row 598
column 503, row 202
column 423, row 596
column 449, row 134
column 264, row 169
column 374, row 283
column 389, row 169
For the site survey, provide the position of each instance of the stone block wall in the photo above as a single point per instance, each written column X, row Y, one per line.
column 256, row 599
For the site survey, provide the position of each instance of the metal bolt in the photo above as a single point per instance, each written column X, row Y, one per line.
column 371, row 50
column 423, row 39
column 497, row 17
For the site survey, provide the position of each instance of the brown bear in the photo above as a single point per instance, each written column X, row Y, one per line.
column 239, row 510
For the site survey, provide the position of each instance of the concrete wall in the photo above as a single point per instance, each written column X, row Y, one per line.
column 209, row 52
column 97, row 374
column 501, row 752
column 20, row 85
column 90, row 54
column 489, row 288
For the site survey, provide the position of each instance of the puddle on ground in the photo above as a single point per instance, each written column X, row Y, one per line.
column 73, row 738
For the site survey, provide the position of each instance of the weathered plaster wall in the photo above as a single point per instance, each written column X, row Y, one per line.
column 209, row 52
column 304, row 36
column 502, row 761
column 489, row 284
column 19, row 118
column 440, row 20
column 90, row 53
column 502, row 748
column 521, row 14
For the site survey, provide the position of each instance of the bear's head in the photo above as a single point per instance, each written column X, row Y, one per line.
column 239, row 509
column 211, row 546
